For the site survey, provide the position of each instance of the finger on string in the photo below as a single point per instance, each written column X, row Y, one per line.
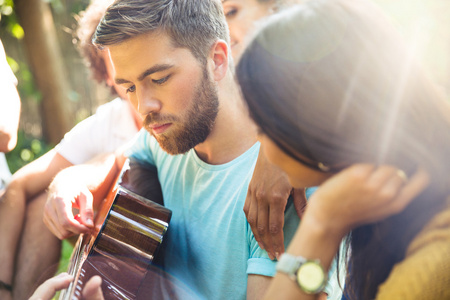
column 92, row 289
column 86, row 208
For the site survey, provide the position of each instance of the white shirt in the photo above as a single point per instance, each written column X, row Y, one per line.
column 6, row 74
column 109, row 128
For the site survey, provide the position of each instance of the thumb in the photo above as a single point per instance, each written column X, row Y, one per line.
column 85, row 201
column 48, row 289
column 299, row 199
column 92, row 290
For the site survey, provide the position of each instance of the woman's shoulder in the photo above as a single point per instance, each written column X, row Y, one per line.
column 437, row 229
column 425, row 271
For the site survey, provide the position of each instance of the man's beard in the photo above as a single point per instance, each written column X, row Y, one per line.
column 196, row 123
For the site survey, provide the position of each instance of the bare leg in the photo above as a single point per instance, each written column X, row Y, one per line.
column 39, row 251
column 12, row 211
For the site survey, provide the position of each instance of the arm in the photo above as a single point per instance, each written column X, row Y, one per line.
column 9, row 106
column 359, row 195
column 81, row 187
column 35, row 177
column 257, row 286
column 27, row 183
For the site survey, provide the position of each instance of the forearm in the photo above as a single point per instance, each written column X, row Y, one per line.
column 12, row 214
column 257, row 286
column 27, row 183
column 35, row 177
column 311, row 241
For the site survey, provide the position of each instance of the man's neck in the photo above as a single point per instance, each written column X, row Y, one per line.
column 233, row 132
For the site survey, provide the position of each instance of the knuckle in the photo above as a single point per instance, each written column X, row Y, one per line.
column 246, row 210
column 398, row 206
column 371, row 188
column 64, row 236
column 274, row 229
column 251, row 221
column 250, row 190
column 261, row 230
column 387, row 194
column 65, row 223
column 260, row 195
column 357, row 174
column 277, row 198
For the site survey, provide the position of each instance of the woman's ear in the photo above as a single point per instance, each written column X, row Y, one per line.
column 219, row 55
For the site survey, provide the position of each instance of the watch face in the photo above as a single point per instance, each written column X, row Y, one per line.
column 311, row 277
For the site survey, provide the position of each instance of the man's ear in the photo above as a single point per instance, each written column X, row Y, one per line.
column 219, row 55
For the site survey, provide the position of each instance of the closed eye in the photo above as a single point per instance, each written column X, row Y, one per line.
column 131, row 89
column 231, row 13
column 162, row 80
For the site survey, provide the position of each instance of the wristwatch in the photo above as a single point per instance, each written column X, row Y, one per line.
column 307, row 273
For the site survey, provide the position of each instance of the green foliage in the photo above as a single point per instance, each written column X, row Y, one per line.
column 27, row 150
column 9, row 19
column 66, row 252
column 27, row 87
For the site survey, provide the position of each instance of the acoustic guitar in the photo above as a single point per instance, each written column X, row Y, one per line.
column 129, row 230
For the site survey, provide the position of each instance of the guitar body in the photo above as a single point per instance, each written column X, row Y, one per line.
column 129, row 230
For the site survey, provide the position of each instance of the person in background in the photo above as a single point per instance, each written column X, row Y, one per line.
column 347, row 108
column 245, row 16
column 9, row 116
column 29, row 252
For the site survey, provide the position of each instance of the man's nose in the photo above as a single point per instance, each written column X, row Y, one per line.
column 147, row 102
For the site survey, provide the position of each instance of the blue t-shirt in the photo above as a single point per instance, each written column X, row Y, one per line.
column 209, row 248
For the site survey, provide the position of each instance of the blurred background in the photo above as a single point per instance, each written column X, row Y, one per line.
column 57, row 90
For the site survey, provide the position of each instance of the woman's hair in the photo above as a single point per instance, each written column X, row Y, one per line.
column 87, row 23
column 332, row 81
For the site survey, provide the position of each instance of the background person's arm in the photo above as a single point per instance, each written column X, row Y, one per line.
column 27, row 183
column 9, row 106
column 36, row 176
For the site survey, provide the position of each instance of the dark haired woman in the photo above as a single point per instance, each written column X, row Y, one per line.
column 341, row 104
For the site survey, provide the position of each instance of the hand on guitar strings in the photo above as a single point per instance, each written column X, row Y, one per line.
column 63, row 197
column 47, row 290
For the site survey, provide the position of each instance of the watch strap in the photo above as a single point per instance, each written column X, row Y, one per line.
column 297, row 267
column 289, row 263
